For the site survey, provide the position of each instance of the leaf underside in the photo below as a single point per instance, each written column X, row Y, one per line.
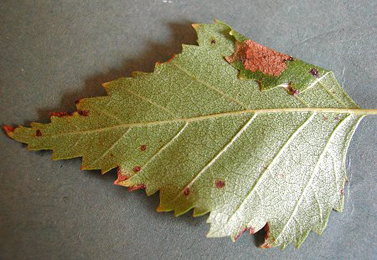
column 213, row 136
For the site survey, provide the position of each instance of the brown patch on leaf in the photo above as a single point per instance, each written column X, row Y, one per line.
column 83, row 112
column 220, row 184
column 38, row 133
column 136, row 187
column 121, row 177
column 291, row 90
column 314, row 72
column 186, row 191
column 172, row 57
column 59, row 114
column 137, row 168
column 256, row 57
column 143, row 147
column 8, row 130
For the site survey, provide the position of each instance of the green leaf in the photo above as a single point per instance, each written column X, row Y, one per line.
column 250, row 147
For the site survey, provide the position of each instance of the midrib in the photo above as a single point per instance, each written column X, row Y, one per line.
column 354, row 111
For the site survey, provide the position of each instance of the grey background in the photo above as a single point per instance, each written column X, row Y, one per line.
column 55, row 52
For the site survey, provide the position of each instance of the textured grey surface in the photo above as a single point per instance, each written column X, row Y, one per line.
column 55, row 52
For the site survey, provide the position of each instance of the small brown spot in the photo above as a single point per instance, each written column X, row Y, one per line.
column 186, row 191
column 213, row 41
column 136, row 187
column 291, row 90
column 341, row 191
column 220, row 184
column 137, row 168
column 77, row 101
column 336, row 118
column 325, row 119
column 314, row 72
column 83, row 112
column 256, row 57
column 38, row 132
column 143, row 147
column 112, row 155
column 283, row 176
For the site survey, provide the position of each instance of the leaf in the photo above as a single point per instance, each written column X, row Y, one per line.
column 229, row 127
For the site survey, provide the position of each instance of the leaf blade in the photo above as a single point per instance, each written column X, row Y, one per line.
column 212, row 142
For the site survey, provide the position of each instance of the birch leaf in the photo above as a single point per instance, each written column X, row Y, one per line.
column 228, row 127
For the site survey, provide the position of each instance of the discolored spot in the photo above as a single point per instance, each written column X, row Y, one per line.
column 143, row 147
column 341, row 191
column 83, row 112
column 8, row 129
column 77, row 101
column 220, row 184
column 186, row 191
column 136, row 187
column 314, row 72
column 121, row 177
column 60, row 114
column 213, row 41
column 256, row 57
column 172, row 57
column 291, row 90
column 325, row 119
column 38, row 133
column 137, row 168
column 336, row 118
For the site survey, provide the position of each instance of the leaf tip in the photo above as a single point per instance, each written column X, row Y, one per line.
column 121, row 177
column 9, row 130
